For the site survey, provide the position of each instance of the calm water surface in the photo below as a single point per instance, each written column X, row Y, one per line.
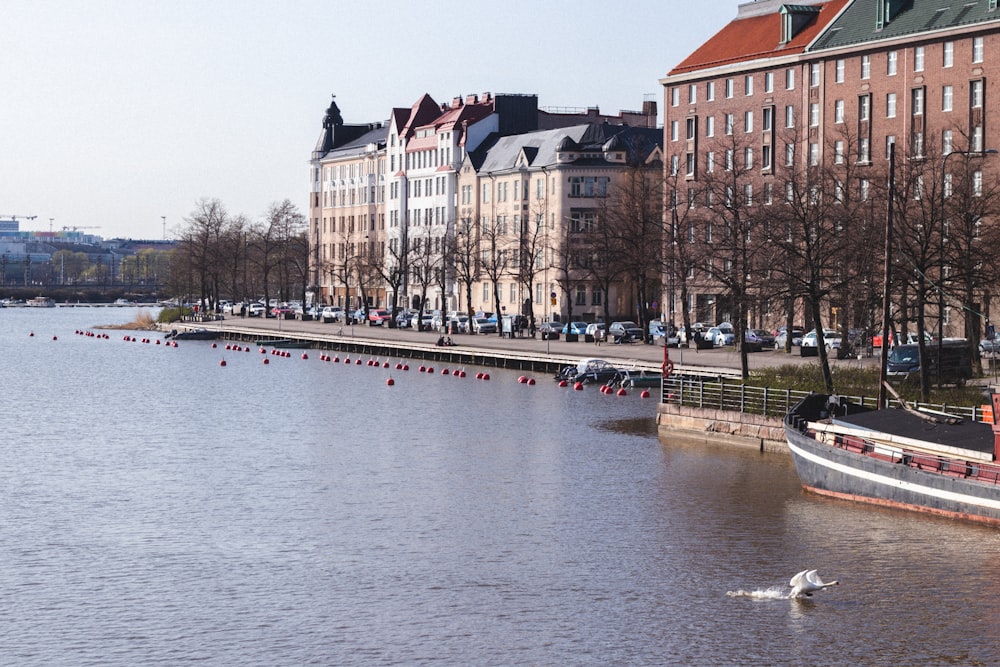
column 158, row 508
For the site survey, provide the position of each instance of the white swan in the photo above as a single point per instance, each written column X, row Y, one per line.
column 806, row 583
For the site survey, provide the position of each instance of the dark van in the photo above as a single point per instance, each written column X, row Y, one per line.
column 956, row 362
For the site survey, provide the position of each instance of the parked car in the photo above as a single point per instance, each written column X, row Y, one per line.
column 332, row 314
column 281, row 310
column 594, row 331
column 624, row 332
column 719, row 337
column 403, row 318
column 757, row 340
column 989, row 345
column 378, row 317
column 255, row 309
column 809, row 348
column 550, row 330
column 782, row 336
column 579, row 328
column 682, row 333
column 483, row 325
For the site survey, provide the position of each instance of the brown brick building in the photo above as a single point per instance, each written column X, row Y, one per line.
column 820, row 91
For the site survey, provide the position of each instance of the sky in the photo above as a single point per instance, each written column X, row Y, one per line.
column 117, row 117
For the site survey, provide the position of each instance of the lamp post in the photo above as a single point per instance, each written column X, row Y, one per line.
column 944, row 182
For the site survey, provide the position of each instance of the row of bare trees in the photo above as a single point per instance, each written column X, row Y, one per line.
column 773, row 228
column 221, row 255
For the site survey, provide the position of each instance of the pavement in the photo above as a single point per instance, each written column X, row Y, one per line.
column 722, row 359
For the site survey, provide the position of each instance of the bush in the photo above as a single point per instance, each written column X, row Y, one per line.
column 168, row 315
column 857, row 382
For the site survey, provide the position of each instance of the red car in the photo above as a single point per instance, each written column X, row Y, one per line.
column 377, row 318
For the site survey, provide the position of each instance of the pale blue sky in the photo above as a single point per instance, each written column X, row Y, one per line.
column 114, row 113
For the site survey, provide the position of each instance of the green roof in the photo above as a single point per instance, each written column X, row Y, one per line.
column 858, row 22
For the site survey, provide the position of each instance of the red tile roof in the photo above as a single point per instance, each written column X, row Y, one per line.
column 755, row 37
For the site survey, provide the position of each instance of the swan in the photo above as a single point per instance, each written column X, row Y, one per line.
column 806, row 583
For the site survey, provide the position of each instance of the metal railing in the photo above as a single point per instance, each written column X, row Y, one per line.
column 720, row 394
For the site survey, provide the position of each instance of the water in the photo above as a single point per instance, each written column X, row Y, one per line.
column 158, row 508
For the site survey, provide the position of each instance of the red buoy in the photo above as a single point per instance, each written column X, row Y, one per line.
column 522, row 379
column 305, row 356
column 622, row 392
column 486, row 376
column 222, row 363
column 531, row 381
column 266, row 361
column 563, row 383
column 390, row 382
column 644, row 394
column 578, row 386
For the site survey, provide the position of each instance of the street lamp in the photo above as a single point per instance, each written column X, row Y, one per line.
column 944, row 181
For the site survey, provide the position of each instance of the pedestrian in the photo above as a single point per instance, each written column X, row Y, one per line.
column 697, row 341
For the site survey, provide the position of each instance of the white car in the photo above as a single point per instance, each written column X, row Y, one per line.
column 332, row 314
column 809, row 348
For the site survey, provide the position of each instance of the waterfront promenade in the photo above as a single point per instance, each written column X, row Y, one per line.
column 725, row 361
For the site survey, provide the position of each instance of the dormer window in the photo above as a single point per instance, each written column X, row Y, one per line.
column 886, row 11
column 794, row 18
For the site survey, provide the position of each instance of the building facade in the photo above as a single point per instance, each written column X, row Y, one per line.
column 823, row 92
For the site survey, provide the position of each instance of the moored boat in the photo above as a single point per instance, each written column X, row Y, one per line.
column 194, row 334
column 41, row 302
column 921, row 461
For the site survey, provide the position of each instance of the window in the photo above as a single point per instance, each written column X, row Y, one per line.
column 839, row 77
column 946, row 142
column 917, row 139
column 838, row 152
column 813, row 154
column 789, row 79
column 789, row 155
column 789, row 116
column 729, row 159
column 890, row 141
column 977, row 138
column 689, row 164
column 838, row 111
column 675, row 96
column 917, row 101
column 864, row 154
column 748, row 157
column 814, row 75
column 864, row 107
column 977, row 49
column 748, row 84
column 891, row 61
column 748, row 121
column 674, row 130
column 890, row 105
column 866, row 67
column 814, row 114
column 976, row 94
column 946, row 98
column 918, row 59
column 864, row 187
column 710, row 126
column 766, row 120
column 691, row 126
column 729, row 88
column 710, row 91
column 710, row 162
column 769, row 82
column 948, row 54
column 765, row 157
column 730, row 121
column 977, row 183
column 692, row 93
column 748, row 194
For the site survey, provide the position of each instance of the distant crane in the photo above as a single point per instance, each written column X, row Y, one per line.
column 17, row 217
column 75, row 228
